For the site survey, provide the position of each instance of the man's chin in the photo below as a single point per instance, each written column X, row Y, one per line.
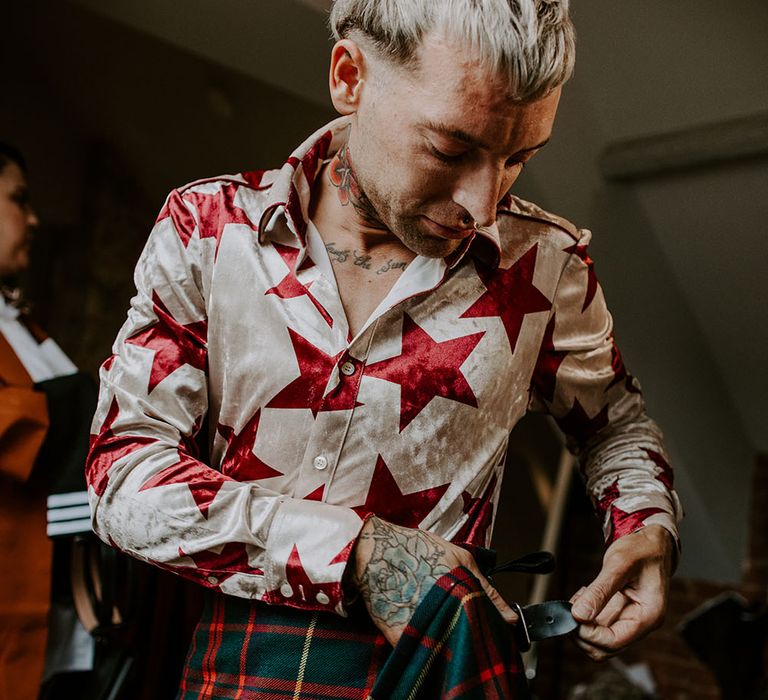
column 425, row 243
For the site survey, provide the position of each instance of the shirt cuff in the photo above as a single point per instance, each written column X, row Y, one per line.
column 308, row 546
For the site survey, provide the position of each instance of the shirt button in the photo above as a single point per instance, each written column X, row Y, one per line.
column 348, row 368
column 213, row 580
column 320, row 462
column 286, row 590
column 322, row 598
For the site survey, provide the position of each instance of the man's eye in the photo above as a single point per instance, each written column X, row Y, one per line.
column 445, row 157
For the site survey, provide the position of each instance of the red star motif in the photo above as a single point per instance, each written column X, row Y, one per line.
column 106, row 448
column 215, row 211
column 343, row 556
column 306, row 391
column 610, row 494
column 620, row 372
column 510, row 295
column 578, row 424
column 183, row 221
column 107, row 364
column 480, row 511
column 203, row 482
column 549, row 361
column 253, row 179
column 425, row 369
column 239, row 459
column 316, row 495
column 174, row 344
column 304, row 590
column 580, row 251
column 290, row 287
column 622, row 523
column 230, row 560
column 386, row 500
column 665, row 474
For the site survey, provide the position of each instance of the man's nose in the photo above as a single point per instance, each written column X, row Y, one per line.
column 32, row 220
column 479, row 192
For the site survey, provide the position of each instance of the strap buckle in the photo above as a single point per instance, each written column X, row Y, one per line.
column 542, row 621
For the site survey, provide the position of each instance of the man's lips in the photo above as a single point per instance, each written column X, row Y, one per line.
column 447, row 231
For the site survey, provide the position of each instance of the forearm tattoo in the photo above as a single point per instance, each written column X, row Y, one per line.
column 342, row 176
column 404, row 564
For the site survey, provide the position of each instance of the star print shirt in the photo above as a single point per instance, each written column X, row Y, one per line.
column 237, row 340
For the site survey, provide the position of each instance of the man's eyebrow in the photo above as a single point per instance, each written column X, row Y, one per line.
column 470, row 140
column 457, row 134
column 534, row 148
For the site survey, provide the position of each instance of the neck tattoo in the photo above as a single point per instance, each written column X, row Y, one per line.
column 342, row 176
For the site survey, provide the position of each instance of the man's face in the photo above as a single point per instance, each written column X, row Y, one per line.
column 17, row 219
column 441, row 145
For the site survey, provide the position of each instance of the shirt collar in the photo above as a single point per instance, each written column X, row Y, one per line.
column 292, row 188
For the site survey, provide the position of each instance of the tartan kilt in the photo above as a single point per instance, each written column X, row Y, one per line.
column 456, row 646
column 248, row 649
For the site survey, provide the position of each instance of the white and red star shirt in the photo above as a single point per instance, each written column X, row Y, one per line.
column 237, row 326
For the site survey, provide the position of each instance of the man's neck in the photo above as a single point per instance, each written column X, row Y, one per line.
column 343, row 214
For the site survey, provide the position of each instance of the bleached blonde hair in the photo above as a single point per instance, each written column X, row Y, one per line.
column 531, row 42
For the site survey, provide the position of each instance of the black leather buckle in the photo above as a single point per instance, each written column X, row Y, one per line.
column 542, row 621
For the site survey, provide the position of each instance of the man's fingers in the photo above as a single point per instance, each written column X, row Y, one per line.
column 612, row 638
column 507, row 613
column 613, row 609
column 591, row 601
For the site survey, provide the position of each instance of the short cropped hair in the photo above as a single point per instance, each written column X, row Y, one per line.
column 530, row 42
column 9, row 154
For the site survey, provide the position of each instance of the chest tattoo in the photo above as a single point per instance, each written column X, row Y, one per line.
column 346, row 255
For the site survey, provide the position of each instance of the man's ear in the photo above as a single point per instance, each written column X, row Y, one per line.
column 347, row 76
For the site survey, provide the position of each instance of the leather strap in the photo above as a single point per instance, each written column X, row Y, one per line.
column 542, row 621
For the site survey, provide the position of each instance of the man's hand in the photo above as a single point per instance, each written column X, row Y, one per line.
column 395, row 566
column 628, row 599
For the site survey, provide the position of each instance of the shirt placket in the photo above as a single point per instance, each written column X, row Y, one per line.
column 331, row 427
column 328, row 437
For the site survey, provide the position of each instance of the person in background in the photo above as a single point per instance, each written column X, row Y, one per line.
column 27, row 357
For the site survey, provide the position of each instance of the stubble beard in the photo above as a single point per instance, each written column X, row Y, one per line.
column 404, row 227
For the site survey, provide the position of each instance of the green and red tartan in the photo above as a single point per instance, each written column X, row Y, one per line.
column 456, row 646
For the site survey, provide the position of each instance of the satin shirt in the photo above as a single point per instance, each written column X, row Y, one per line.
column 237, row 330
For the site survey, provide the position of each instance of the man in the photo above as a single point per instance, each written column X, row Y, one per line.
column 361, row 329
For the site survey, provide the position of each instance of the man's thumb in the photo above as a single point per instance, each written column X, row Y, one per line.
column 595, row 597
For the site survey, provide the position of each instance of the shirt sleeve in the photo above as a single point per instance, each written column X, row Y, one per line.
column 23, row 425
column 151, row 495
column 581, row 380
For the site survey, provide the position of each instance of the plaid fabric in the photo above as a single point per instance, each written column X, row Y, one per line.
column 457, row 646
column 248, row 649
